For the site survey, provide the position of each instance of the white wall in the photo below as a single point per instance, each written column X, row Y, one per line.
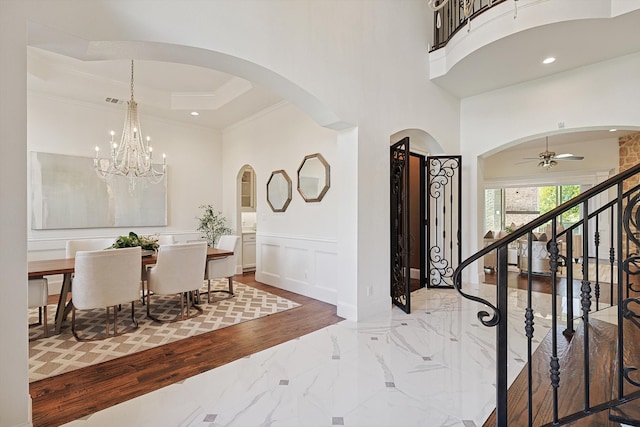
column 344, row 63
column 348, row 62
column 14, row 392
column 194, row 162
column 296, row 249
column 600, row 96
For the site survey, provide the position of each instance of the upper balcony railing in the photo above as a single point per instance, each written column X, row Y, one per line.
column 451, row 18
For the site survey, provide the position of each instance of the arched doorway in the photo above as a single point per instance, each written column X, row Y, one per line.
column 247, row 218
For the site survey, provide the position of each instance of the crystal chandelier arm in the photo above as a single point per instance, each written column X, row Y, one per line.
column 133, row 157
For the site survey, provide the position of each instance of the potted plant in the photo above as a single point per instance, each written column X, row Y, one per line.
column 212, row 224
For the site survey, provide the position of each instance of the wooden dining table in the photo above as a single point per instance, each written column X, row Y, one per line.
column 66, row 267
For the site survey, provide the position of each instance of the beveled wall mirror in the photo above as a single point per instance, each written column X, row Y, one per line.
column 279, row 191
column 314, row 178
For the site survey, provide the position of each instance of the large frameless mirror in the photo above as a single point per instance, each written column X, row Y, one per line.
column 279, row 191
column 313, row 177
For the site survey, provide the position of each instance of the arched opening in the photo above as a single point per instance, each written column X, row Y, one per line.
column 409, row 209
column 247, row 217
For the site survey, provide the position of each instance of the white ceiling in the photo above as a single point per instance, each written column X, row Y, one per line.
column 172, row 90
column 574, row 43
column 163, row 89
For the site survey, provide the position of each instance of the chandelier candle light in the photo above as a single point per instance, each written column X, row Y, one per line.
column 134, row 155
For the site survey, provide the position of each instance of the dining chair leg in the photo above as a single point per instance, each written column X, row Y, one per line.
column 115, row 322
column 44, row 321
column 133, row 315
column 182, row 305
column 106, row 333
column 231, row 285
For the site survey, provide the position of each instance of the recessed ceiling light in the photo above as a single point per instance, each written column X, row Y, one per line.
column 195, row 113
column 549, row 60
column 612, row 130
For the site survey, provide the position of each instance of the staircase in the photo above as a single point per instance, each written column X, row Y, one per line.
column 585, row 371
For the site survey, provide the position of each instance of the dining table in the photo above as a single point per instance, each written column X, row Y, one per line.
column 66, row 266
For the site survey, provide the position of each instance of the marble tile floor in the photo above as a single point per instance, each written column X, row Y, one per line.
column 433, row 367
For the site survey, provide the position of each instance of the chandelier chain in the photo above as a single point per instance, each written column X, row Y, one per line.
column 131, row 80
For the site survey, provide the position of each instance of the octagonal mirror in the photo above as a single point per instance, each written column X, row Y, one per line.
column 279, row 191
column 313, row 177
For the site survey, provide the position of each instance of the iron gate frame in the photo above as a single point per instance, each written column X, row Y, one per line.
column 399, row 229
column 440, row 173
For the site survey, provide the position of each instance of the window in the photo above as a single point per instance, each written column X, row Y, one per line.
column 505, row 207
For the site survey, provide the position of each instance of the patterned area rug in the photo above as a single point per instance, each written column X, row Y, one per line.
column 62, row 353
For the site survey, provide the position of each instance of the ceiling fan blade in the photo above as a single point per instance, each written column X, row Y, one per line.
column 526, row 160
column 567, row 156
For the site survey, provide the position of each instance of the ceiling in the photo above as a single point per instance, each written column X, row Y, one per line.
column 575, row 44
column 163, row 89
column 173, row 91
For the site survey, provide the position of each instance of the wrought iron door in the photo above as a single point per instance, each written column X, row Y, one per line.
column 444, row 219
column 400, row 268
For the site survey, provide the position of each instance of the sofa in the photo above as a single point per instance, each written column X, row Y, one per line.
column 517, row 252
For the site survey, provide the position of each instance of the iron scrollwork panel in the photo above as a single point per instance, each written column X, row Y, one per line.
column 444, row 219
column 400, row 290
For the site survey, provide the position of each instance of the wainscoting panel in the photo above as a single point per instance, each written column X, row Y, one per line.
column 302, row 265
column 268, row 256
column 297, row 265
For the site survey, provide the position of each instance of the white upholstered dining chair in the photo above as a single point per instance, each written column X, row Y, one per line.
column 223, row 267
column 38, row 298
column 106, row 279
column 74, row 246
column 166, row 239
column 178, row 270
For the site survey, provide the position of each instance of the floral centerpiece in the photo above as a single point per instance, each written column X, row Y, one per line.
column 146, row 243
column 212, row 225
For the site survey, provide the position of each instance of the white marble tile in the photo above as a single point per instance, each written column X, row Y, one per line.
column 433, row 367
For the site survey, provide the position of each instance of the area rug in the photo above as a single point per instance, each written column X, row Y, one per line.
column 58, row 354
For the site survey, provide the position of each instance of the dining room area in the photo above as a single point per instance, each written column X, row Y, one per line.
column 99, row 303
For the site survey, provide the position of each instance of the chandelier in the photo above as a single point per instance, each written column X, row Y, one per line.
column 133, row 157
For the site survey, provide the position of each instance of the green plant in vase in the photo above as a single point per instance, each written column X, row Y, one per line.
column 133, row 240
column 212, row 225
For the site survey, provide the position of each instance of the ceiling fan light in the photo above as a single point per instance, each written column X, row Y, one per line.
column 547, row 163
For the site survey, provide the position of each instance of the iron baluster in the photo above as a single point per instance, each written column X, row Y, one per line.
column 554, row 363
column 529, row 329
column 569, row 266
column 612, row 254
column 501, row 337
column 585, row 299
column 596, row 241
column 620, row 278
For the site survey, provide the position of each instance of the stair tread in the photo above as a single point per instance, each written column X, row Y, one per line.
column 571, row 390
column 518, row 394
column 627, row 413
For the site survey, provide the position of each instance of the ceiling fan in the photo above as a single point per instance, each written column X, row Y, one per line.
column 548, row 159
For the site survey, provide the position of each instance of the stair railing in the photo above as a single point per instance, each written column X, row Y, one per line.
column 615, row 201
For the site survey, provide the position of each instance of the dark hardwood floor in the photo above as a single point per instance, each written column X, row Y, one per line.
column 542, row 283
column 64, row 398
